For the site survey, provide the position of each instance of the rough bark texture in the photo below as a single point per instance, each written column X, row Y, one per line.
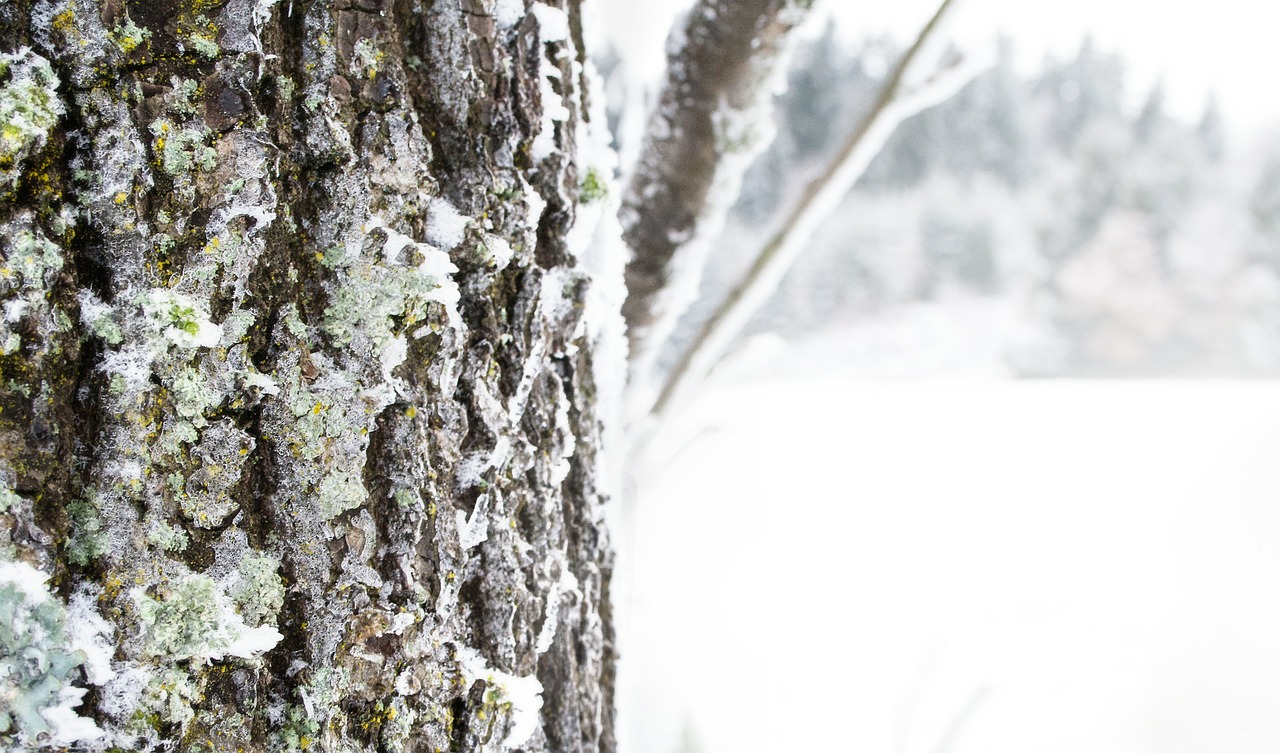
column 297, row 440
column 709, row 124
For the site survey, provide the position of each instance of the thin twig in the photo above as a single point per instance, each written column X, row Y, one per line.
column 893, row 105
column 953, row 730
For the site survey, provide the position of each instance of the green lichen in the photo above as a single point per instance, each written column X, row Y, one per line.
column 182, row 149
column 593, row 188
column 259, row 594
column 128, row 36
column 29, row 109
column 299, row 732
column 304, row 723
column 87, row 540
column 237, row 324
column 176, row 436
column 379, row 302
column 168, row 698
column 340, row 491
column 204, row 46
column 37, row 666
column 179, row 319
column 203, row 38
column 106, row 328
column 186, row 99
column 207, row 498
column 366, row 58
column 192, row 396
column 185, row 623
column 31, row 258
column 167, row 537
column 286, row 87
column 334, row 257
column 8, row 499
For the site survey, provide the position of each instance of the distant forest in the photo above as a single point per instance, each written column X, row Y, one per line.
column 1101, row 238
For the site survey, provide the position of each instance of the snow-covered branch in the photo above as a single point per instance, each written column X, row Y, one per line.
column 710, row 122
column 905, row 93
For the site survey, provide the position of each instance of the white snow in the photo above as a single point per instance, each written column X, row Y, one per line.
column 90, row 634
column 1055, row 565
column 393, row 355
column 261, row 381
column 568, row 584
column 474, row 531
column 508, row 13
column 251, row 643
column 26, row 579
column 66, row 726
column 401, row 621
column 446, row 226
column 523, row 693
column 553, row 22
column 500, row 250
column 160, row 306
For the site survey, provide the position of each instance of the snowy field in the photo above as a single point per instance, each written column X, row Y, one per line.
column 959, row 567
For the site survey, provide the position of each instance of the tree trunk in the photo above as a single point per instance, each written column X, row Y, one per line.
column 299, row 447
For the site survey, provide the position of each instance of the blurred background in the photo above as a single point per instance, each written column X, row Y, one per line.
column 995, row 469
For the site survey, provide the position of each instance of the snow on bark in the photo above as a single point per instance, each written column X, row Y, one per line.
column 301, row 352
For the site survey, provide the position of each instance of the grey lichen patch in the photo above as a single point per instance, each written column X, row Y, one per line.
column 29, row 109
column 184, row 624
column 87, row 539
column 100, row 318
column 8, row 499
column 37, row 666
column 192, row 395
column 259, row 591
column 304, row 723
column 340, row 490
column 182, row 152
column 376, row 301
column 194, row 619
column 29, row 263
column 30, row 257
column 166, row 537
column 168, row 698
column 207, row 501
column 182, row 149
column 366, row 58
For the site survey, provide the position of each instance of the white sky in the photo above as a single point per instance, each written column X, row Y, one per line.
column 1228, row 45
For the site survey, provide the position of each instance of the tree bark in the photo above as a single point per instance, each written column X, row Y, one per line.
column 298, row 439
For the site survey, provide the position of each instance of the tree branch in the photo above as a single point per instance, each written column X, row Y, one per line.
column 896, row 102
column 709, row 124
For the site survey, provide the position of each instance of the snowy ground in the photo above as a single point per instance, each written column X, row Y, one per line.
column 960, row 566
